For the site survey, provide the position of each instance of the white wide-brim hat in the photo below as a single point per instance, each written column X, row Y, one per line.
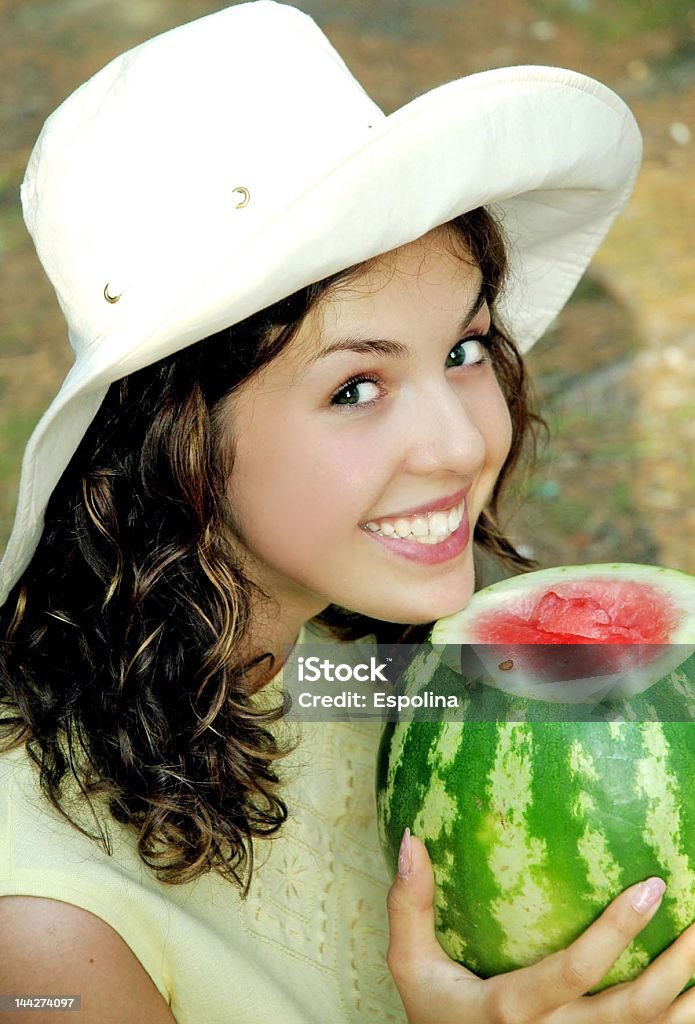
column 223, row 165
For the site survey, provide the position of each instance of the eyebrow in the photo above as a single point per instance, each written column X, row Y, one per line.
column 387, row 347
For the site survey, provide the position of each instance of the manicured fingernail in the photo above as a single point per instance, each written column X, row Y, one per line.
column 648, row 894
column 404, row 855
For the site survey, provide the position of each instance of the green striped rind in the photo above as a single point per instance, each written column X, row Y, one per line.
column 534, row 825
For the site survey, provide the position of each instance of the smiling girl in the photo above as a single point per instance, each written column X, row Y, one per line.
column 297, row 397
column 394, row 431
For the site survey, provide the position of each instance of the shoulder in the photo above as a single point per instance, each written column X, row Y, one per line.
column 50, row 946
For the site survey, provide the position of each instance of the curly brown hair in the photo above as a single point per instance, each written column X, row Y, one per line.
column 133, row 609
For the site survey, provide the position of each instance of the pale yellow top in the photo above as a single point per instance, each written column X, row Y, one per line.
column 308, row 944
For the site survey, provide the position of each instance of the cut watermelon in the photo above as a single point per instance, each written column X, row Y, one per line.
column 621, row 628
column 576, row 605
column 535, row 820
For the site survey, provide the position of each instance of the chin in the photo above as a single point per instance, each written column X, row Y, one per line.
column 448, row 601
column 425, row 603
column 422, row 613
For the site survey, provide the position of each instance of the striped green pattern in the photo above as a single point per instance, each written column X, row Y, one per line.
column 534, row 820
column 534, row 827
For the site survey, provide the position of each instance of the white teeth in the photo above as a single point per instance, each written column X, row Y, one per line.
column 402, row 527
column 439, row 524
column 419, row 527
column 431, row 529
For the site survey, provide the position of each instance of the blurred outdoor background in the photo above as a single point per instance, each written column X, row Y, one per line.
column 616, row 374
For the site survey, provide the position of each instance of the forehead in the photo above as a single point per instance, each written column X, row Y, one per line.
column 440, row 255
column 434, row 276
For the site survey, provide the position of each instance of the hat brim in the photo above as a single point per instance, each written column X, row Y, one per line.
column 553, row 153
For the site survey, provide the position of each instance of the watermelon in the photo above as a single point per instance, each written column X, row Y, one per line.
column 565, row 775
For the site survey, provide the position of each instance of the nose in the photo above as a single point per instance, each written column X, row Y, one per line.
column 443, row 433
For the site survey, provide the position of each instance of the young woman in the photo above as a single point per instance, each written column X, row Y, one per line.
column 294, row 406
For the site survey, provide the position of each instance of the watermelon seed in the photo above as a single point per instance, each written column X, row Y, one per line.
column 505, row 666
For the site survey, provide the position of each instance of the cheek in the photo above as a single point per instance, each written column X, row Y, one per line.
column 288, row 491
column 505, row 433
column 495, row 425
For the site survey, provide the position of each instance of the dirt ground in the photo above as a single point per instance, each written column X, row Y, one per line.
column 616, row 374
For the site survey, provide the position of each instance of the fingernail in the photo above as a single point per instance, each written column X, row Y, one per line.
column 648, row 894
column 404, row 855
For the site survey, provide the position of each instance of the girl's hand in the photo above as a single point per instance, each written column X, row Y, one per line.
column 436, row 990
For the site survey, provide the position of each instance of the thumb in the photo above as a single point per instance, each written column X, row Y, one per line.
column 410, row 908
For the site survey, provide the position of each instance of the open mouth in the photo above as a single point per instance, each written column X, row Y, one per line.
column 430, row 528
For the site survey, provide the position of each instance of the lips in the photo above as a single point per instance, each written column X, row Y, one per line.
column 433, row 552
column 426, row 529
column 426, row 524
column 447, row 502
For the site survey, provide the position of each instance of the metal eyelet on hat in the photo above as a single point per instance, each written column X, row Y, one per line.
column 245, row 197
column 108, row 297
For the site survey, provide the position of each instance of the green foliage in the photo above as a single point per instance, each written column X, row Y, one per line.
column 611, row 20
column 14, row 434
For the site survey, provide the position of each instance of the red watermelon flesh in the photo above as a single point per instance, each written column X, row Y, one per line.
column 593, row 612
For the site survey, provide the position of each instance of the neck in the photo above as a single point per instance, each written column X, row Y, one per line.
column 276, row 636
